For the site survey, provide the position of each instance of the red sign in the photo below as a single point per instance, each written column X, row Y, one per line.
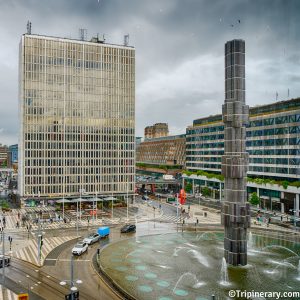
column 182, row 196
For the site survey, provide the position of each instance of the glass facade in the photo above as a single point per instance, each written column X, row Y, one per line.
column 77, row 117
column 273, row 141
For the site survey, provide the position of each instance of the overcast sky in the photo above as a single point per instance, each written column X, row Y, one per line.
column 179, row 51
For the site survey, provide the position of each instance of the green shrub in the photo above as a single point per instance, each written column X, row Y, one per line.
column 254, row 199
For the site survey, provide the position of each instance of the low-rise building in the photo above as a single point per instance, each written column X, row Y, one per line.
column 12, row 155
column 168, row 150
column 157, row 130
column 3, row 155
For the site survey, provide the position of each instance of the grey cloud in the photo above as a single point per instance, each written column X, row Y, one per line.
column 173, row 38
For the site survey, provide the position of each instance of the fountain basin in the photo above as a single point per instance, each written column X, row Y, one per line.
column 188, row 266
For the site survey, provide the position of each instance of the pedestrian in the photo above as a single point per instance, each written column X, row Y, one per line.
column 197, row 221
column 19, row 215
column 281, row 218
column 65, row 220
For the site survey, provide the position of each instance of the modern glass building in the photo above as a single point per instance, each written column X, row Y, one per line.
column 12, row 155
column 273, row 141
column 77, row 117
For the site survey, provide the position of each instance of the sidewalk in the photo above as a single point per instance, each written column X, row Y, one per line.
column 213, row 216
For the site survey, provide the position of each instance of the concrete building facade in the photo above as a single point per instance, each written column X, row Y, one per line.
column 168, row 150
column 156, row 131
column 77, row 117
column 3, row 155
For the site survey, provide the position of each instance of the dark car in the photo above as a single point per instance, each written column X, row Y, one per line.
column 6, row 259
column 128, row 228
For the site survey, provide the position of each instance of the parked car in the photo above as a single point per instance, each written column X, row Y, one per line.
column 128, row 228
column 91, row 239
column 146, row 198
column 6, row 261
column 80, row 248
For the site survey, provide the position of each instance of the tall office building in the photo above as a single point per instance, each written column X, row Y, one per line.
column 77, row 117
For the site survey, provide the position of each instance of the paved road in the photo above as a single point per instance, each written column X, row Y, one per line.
column 93, row 287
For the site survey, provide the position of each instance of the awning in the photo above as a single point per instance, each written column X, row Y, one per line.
column 110, row 198
column 62, row 201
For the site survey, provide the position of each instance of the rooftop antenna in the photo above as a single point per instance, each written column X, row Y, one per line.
column 126, row 40
column 28, row 27
column 82, row 34
column 288, row 93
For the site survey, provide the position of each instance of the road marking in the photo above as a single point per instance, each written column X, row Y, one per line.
column 67, row 260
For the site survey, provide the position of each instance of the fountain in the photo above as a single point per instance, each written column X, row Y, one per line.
column 180, row 265
column 224, row 273
column 235, row 210
column 250, row 241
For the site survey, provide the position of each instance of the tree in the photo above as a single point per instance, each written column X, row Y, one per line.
column 254, row 199
column 188, row 187
column 206, row 191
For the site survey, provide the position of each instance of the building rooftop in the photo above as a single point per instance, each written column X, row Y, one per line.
column 256, row 110
column 93, row 41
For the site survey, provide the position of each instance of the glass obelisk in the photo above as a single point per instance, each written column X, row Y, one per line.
column 235, row 210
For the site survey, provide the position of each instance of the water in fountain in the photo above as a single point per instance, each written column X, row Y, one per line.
column 136, row 236
column 224, row 273
column 280, row 247
column 198, row 268
column 250, row 240
column 197, row 282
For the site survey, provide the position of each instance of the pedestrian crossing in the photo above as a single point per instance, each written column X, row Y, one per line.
column 170, row 218
column 119, row 215
column 6, row 294
column 30, row 252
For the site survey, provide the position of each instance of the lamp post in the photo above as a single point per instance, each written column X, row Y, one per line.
column 73, row 288
column 77, row 217
column 3, row 257
column 39, row 242
column 154, row 208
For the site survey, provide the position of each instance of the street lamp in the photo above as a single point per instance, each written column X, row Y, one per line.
column 154, row 208
column 73, row 288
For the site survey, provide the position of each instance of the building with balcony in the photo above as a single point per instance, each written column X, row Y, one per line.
column 169, row 150
column 157, row 130
column 77, row 117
